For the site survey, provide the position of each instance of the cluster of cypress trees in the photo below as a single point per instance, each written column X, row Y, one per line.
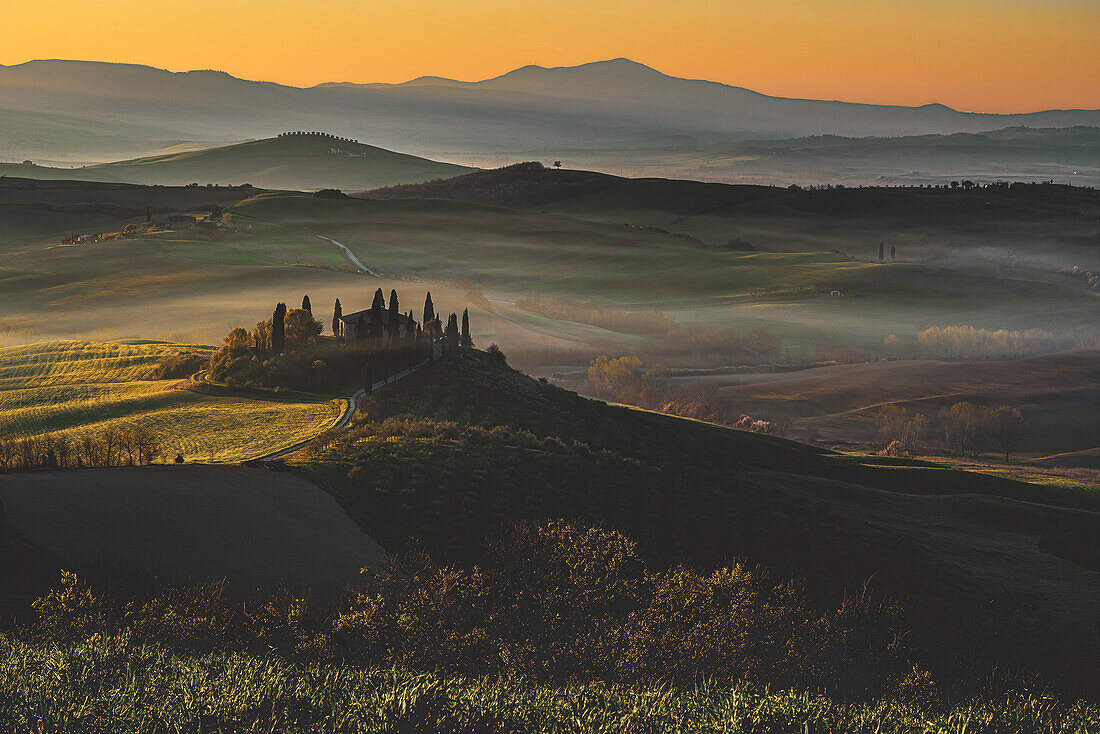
column 453, row 336
column 385, row 327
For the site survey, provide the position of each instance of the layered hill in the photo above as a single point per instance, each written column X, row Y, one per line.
column 301, row 162
column 306, row 161
column 604, row 105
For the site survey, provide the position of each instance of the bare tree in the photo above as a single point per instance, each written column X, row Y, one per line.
column 110, row 440
column 145, row 445
column 1007, row 428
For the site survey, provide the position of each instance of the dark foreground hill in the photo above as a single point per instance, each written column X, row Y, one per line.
column 468, row 446
column 187, row 523
column 632, row 617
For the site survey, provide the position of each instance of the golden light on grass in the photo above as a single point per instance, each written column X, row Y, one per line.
column 70, row 388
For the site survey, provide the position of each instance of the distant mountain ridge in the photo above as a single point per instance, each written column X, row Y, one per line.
column 606, row 105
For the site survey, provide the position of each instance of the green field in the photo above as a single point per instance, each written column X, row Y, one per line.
column 70, row 388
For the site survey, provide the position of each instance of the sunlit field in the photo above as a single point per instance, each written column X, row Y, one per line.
column 71, row 388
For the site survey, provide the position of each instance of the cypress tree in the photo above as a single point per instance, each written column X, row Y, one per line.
column 337, row 312
column 465, row 337
column 893, row 254
column 880, row 253
column 377, row 308
column 429, row 309
column 393, row 310
column 452, row 331
column 278, row 329
column 305, row 305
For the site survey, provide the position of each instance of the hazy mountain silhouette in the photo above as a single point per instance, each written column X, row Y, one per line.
column 600, row 105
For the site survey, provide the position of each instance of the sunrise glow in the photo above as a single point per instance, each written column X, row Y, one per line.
column 983, row 55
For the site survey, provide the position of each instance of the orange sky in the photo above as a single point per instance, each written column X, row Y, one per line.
column 979, row 55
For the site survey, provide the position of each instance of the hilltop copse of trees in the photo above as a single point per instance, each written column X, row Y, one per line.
column 287, row 351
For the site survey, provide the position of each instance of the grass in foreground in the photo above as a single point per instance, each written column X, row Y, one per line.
column 107, row 685
column 71, row 387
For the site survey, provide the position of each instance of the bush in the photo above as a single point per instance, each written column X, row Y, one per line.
column 179, row 365
column 553, row 602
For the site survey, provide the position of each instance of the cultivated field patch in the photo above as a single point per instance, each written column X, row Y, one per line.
column 71, row 387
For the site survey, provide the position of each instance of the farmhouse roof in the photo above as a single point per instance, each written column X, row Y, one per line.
column 349, row 318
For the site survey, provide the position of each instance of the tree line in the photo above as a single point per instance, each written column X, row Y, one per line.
column 630, row 380
column 970, row 342
column 129, row 445
column 965, row 428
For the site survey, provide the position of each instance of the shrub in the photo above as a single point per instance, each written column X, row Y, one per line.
column 556, row 602
column 179, row 365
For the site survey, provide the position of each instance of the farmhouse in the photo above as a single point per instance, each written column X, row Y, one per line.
column 371, row 322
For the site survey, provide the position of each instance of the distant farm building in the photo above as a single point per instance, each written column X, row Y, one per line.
column 375, row 322
column 180, row 221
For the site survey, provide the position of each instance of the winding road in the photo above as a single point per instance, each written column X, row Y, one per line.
column 350, row 255
column 342, row 422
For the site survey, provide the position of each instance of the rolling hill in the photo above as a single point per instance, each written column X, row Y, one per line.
column 52, row 205
column 466, row 445
column 298, row 162
column 999, row 224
